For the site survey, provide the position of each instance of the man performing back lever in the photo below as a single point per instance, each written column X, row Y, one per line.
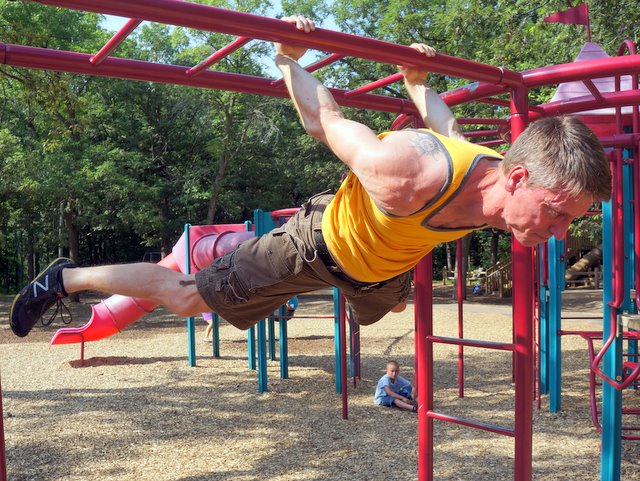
column 406, row 192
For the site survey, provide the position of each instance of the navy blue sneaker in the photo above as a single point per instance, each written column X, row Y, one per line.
column 38, row 296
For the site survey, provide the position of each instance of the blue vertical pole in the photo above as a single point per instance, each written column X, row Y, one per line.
column 556, row 284
column 272, row 337
column 336, row 338
column 251, row 347
column 629, row 304
column 262, row 356
column 611, row 397
column 544, row 324
column 216, row 335
column 191, row 322
column 283, row 344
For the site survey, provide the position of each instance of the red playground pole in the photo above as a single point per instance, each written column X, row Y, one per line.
column 3, row 458
column 523, row 324
column 423, row 307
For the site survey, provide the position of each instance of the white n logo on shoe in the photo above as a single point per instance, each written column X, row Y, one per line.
column 44, row 287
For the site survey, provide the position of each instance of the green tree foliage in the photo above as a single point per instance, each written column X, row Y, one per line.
column 107, row 169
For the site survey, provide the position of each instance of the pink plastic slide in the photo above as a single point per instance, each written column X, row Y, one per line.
column 112, row 315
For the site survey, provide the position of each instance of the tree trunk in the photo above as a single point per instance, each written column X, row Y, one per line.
column 495, row 236
column 31, row 265
column 450, row 265
column 73, row 235
column 465, row 243
column 223, row 163
column 167, row 242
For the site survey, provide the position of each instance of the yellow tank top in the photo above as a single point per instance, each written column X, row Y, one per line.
column 372, row 245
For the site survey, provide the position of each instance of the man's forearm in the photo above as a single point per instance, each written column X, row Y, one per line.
column 435, row 113
column 312, row 100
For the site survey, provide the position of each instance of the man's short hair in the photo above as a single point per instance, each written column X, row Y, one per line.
column 562, row 154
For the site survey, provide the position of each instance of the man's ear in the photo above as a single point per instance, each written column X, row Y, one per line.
column 517, row 176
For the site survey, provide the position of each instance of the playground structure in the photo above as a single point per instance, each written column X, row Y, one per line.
column 619, row 131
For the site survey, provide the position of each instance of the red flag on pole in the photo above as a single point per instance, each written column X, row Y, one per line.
column 578, row 15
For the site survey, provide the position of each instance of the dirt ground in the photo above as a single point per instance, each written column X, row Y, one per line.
column 137, row 411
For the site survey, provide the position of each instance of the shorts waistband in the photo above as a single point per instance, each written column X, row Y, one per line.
column 331, row 265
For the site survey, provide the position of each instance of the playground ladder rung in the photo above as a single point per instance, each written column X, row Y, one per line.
column 502, row 346
column 474, row 424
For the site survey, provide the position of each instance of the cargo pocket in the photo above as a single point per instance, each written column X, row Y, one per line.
column 275, row 259
column 227, row 281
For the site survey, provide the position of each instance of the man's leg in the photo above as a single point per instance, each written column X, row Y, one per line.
column 174, row 290
column 62, row 277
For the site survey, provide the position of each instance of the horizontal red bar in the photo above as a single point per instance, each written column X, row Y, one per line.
column 482, row 121
column 568, row 72
column 473, row 424
column 501, row 346
column 481, row 133
column 74, row 62
column 213, row 19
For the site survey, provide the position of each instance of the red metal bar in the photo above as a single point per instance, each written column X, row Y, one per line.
column 568, row 72
column 276, row 214
column 3, row 457
column 481, row 133
column 213, row 19
column 116, row 40
column 460, row 289
column 396, row 77
column 621, row 141
column 630, row 47
column 492, row 143
column 423, row 307
column 523, row 328
column 220, row 54
column 313, row 67
column 592, row 88
column 482, row 121
column 48, row 59
column 500, row 346
column 584, row 103
column 474, row 424
column 471, row 92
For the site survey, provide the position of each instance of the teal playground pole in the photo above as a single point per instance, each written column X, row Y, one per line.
column 191, row 322
column 612, row 365
column 543, row 327
column 271, row 334
column 629, row 304
column 216, row 335
column 262, row 356
column 336, row 324
column 283, row 344
column 556, row 286
column 251, row 347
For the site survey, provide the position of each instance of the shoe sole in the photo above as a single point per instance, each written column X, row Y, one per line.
column 15, row 299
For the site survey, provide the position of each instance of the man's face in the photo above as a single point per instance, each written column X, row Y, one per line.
column 534, row 214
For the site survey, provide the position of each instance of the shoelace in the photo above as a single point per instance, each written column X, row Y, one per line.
column 58, row 312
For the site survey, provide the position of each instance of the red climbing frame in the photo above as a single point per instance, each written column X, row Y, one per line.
column 492, row 81
column 3, row 458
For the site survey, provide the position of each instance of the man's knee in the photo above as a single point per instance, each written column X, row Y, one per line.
column 399, row 307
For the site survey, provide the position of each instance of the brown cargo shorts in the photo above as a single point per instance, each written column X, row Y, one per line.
column 253, row 281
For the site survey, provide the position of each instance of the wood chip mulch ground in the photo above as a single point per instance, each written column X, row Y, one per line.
column 137, row 411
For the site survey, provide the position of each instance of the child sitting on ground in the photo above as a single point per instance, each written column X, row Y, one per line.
column 394, row 390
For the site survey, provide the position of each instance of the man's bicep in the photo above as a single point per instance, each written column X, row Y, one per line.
column 351, row 141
